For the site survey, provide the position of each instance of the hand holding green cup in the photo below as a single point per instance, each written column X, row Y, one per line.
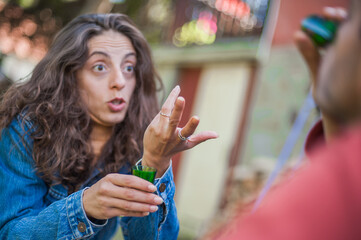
column 145, row 172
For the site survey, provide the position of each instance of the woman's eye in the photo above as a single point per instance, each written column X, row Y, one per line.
column 99, row 68
column 129, row 69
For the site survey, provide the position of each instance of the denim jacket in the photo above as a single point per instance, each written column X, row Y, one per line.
column 30, row 209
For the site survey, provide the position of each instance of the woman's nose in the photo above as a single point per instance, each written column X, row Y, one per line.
column 117, row 80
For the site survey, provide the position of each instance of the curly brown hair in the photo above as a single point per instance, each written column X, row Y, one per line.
column 50, row 98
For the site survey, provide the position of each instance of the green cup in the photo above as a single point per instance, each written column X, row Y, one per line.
column 145, row 172
column 320, row 30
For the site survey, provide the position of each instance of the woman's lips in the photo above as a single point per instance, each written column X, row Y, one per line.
column 116, row 104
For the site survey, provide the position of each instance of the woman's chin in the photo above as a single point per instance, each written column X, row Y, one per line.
column 108, row 122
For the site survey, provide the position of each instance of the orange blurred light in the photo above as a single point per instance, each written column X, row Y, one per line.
column 233, row 8
column 23, row 47
column 242, row 10
column 28, row 27
column 218, row 5
column 225, row 6
column 7, row 45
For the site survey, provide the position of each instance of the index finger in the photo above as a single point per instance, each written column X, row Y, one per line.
column 169, row 102
column 131, row 181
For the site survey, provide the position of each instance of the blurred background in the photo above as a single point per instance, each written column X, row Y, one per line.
column 238, row 69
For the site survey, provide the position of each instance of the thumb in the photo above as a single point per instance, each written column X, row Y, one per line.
column 309, row 52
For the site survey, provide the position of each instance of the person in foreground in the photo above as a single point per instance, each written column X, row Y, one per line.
column 323, row 199
column 71, row 133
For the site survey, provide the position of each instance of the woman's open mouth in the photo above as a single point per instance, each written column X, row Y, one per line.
column 116, row 104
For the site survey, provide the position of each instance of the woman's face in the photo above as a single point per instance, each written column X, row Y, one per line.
column 107, row 80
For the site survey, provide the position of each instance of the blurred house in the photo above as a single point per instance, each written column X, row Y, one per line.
column 248, row 82
column 214, row 56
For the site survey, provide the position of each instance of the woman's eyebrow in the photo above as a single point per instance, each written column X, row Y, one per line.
column 100, row 53
column 131, row 54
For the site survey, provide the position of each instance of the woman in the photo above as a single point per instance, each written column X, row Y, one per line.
column 72, row 132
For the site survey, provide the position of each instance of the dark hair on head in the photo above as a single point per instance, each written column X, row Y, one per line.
column 62, row 150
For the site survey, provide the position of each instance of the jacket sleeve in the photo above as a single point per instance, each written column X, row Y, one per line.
column 25, row 213
column 160, row 225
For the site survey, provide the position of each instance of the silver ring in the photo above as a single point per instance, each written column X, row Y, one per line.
column 181, row 137
column 164, row 115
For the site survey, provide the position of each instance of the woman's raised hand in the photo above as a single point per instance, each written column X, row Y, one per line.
column 164, row 138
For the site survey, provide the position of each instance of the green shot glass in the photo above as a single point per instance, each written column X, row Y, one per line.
column 145, row 172
column 321, row 31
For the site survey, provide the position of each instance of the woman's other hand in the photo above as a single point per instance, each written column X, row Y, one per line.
column 164, row 138
column 120, row 195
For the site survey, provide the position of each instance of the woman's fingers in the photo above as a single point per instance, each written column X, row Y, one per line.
column 130, row 181
column 176, row 114
column 131, row 194
column 131, row 189
column 196, row 139
column 123, row 213
column 116, row 207
column 171, row 113
column 189, row 128
column 168, row 105
column 130, row 206
column 119, row 194
column 163, row 138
